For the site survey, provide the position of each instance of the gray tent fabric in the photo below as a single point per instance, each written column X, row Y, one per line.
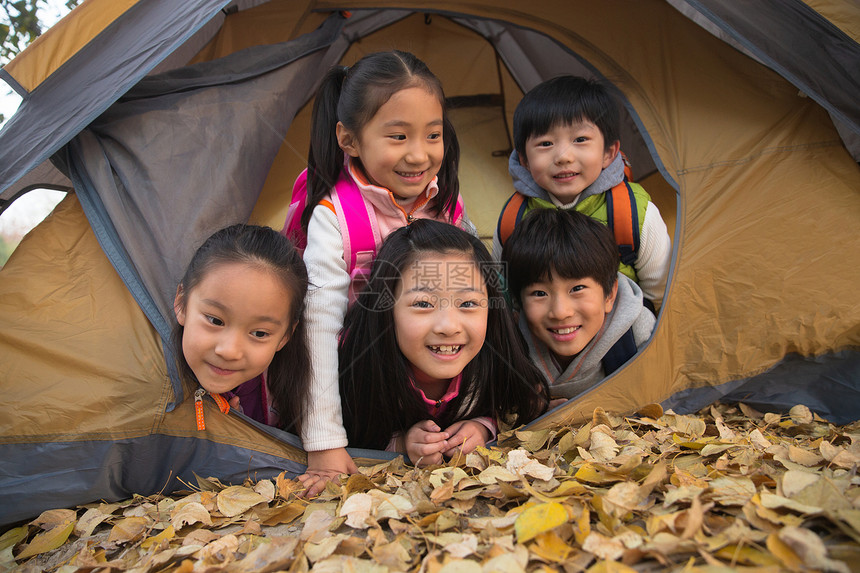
column 818, row 383
column 147, row 33
column 68, row 473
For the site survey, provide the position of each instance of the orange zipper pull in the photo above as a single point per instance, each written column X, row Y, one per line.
column 198, row 408
column 223, row 405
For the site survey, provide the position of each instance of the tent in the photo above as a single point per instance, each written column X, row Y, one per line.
column 172, row 119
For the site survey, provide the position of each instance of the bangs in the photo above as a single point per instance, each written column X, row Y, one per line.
column 552, row 243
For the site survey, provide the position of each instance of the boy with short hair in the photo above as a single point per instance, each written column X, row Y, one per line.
column 581, row 318
column 566, row 156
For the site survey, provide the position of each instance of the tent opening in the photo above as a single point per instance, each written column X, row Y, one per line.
column 24, row 213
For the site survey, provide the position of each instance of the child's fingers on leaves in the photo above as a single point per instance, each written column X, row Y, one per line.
column 313, row 489
column 432, row 460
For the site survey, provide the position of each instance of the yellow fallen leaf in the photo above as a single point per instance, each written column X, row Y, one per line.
column 603, row 447
column 317, row 522
column 800, row 414
column 793, row 482
column 567, row 442
column 846, row 459
column 200, row 537
column 726, row 433
column 221, row 550
column 167, row 533
column 520, row 463
column 603, row 547
column 828, row 450
column 610, row 567
column 189, row 514
column 804, row 457
column 357, row 509
column 459, row 566
column 237, row 499
column 128, row 529
column 396, row 555
column 13, row 537
column 287, row 487
column 768, row 516
column 758, row 440
column 506, row 563
column 685, row 493
column 495, row 474
column 279, row 514
column 653, row 411
column 747, row 555
column 714, row 449
column 599, row 416
column 655, row 477
column 810, row 549
column 549, row 546
column 732, row 490
column 749, row 411
column 537, row 519
column 738, row 533
column 773, row 501
column 622, row 498
column 533, row 440
column 467, row 545
column 55, row 518
column 89, row 521
column 562, row 492
column 788, row 558
column 47, row 541
column 266, row 489
column 690, row 426
column 596, row 474
column 390, row 505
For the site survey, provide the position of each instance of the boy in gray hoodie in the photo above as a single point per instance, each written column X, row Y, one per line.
column 581, row 318
column 567, row 156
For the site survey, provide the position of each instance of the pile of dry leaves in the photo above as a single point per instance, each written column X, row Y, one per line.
column 729, row 489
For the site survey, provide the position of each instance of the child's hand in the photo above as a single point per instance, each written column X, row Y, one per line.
column 425, row 443
column 325, row 466
column 466, row 436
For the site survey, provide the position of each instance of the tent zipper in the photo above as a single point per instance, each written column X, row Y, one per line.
column 223, row 405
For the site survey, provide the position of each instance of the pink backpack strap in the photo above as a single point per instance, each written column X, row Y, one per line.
column 458, row 211
column 359, row 230
column 293, row 222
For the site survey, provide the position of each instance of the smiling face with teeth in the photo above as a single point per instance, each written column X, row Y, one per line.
column 566, row 314
column 400, row 148
column 440, row 317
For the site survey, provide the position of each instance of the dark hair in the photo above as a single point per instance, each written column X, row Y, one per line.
column 562, row 101
column 289, row 373
column 377, row 399
column 352, row 96
column 563, row 243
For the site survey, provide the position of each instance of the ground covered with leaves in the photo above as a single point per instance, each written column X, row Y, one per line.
column 728, row 489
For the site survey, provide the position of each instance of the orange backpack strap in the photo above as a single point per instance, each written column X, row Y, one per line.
column 512, row 213
column 622, row 218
